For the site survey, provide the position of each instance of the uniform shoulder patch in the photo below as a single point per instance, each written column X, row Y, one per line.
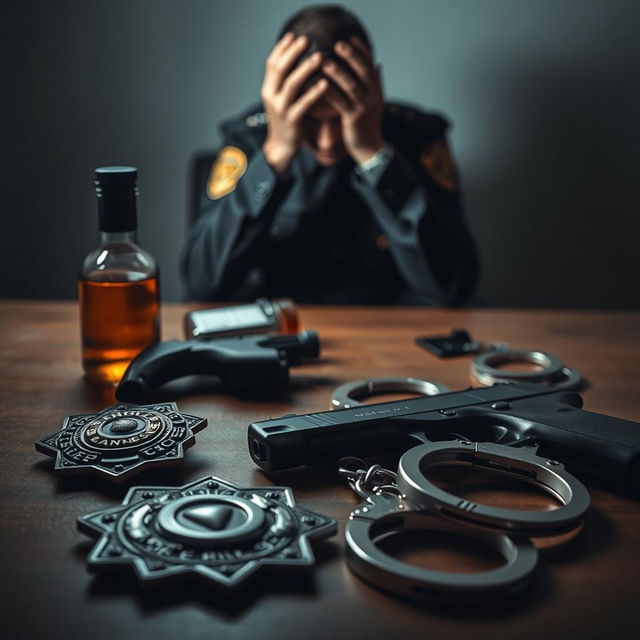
column 437, row 161
column 226, row 170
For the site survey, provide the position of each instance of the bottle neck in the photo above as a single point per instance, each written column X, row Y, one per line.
column 117, row 210
column 128, row 237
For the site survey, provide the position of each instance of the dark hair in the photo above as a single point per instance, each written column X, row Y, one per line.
column 324, row 25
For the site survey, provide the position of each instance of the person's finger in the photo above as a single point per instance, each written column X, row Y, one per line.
column 364, row 51
column 281, row 45
column 338, row 101
column 308, row 99
column 344, row 80
column 296, row 79
column 279, row 65
column 361, row 67
column 277, row 50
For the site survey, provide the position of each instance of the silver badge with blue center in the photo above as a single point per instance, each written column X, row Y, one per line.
column 122, row 440
column 209, row 529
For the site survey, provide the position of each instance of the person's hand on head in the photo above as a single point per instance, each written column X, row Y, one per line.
column 284, row 104
column 360, row 101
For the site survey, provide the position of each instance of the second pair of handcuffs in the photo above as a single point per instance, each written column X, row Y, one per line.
column 409, row 501
column 489, row 356
column 485, row 371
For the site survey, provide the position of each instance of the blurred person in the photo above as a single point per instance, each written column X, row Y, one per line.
column 325, row 193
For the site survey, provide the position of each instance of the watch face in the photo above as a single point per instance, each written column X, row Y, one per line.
column 122, row 440
column 209, row 528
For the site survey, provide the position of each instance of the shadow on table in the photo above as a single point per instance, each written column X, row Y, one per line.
column 161, row 477
column 597, row 535
column 296, row 582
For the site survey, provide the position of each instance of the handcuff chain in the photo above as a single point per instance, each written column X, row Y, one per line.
column 368, row 482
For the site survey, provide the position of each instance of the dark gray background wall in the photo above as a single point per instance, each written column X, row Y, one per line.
column 544, row 96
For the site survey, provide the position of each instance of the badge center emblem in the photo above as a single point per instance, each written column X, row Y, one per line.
column 122, row 425
column 217, row 521
column 209, row 528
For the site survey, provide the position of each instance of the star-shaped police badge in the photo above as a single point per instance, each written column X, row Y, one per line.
column 208, row 528
column 122, row 440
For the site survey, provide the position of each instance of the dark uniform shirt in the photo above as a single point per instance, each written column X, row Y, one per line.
column 332, row 234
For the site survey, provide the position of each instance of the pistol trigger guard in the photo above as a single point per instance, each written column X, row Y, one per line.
column 527, row 443
column 532, row 446
column 420, row 437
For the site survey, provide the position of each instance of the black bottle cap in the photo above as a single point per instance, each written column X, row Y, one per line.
column 116, row 189
column 124, row 177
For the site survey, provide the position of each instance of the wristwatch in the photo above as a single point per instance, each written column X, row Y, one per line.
column 373, row 168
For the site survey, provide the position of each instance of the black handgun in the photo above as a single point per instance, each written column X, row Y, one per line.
column 243, row 363
column 602, row 447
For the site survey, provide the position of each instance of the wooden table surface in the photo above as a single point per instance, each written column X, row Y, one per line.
column 587, row 588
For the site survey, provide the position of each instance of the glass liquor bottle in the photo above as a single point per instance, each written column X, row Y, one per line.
column 118, row 286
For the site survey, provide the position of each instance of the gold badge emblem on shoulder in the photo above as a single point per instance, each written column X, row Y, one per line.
column 227, row 169
column 438, row 163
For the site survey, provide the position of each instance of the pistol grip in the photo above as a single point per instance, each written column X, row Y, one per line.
column 600, row 446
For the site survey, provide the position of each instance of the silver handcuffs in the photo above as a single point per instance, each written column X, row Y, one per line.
column 407, row 500
column 351, row 393
column 485, row 369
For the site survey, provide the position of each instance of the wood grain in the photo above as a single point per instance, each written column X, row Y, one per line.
column 588, row 586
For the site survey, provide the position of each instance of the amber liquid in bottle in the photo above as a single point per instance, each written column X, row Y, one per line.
column 118, row 288
column 119, row 320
